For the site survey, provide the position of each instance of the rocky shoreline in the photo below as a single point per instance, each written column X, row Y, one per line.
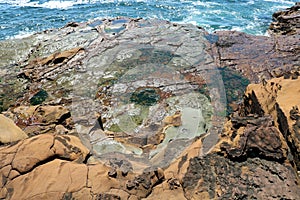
column 136, row 109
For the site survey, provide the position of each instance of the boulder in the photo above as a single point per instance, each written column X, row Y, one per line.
column 9, row 131
column 278, row 97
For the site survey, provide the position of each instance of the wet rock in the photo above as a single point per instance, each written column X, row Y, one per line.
column 145, row 96
column 38, row 98
column 286, row 22
column 235, row 85
column 9, row 131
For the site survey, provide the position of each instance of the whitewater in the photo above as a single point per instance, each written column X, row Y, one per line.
column 20, row 18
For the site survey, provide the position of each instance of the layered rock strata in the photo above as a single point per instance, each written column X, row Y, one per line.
column 286, row 22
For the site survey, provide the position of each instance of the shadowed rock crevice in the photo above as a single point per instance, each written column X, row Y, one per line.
column 277, row 97
column 251, row 137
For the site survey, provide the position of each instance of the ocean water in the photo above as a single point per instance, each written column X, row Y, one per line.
column 22, row 17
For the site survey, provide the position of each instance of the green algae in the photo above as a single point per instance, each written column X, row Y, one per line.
column 38, row 98
column 235, row 85
column 145, row 96
column 115, row 128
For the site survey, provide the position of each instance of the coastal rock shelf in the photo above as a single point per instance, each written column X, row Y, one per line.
column 148, row 109
column 140, row 84
column 123, row 81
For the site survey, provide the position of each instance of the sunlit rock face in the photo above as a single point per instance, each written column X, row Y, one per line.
column 138, row 93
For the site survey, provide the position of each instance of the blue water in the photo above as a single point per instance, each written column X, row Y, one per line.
column 22, row 17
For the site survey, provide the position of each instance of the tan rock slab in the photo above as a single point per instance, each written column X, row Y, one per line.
column 49, row 181
column 9, row 132
column 44, row 147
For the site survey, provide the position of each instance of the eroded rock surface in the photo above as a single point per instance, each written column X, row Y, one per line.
column 146, row 94
column 257, row 58
column 53, row 167
column 279, row 98
column 286, row 22
column 34, row 120
column 253, row 136
column 22, row 160
column 215, row 177
column 123, row 82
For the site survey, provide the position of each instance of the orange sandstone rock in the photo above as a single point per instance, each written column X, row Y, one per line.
column 9, row 132
column 278, row 97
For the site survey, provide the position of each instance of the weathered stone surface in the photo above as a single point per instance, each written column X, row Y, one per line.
column 49, row 181
column 53, row 167
column 286, row 22
column 279, row 98
column 17, row 53
column 40, row 68
column 257, row 58
column 249, row 174
column 36, row 120
column 250, row 148
column 215, row 177
column 40, row 149
column 40, row 169
column 257, row 147
column 170, row 189
column 247, row 137
column 9, row 132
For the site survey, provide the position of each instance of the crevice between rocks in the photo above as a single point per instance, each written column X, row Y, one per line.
column 40, row 163
column 284, row 129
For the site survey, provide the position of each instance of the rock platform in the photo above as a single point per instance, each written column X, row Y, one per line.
column 136, row 109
